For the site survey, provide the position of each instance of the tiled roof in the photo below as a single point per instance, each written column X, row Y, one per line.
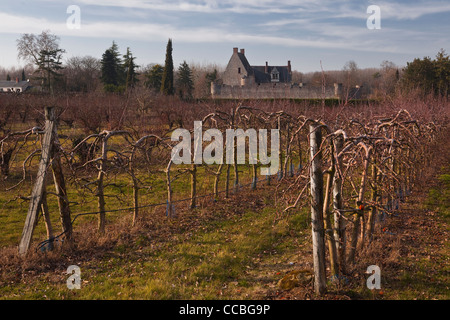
column 14, row 84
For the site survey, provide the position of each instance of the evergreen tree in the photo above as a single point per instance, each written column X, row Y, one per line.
column 49, row 65
column 8, row 78
column 154, row 77
column 442, row 72
column 23, row 75
column 121, row 76
column 112, row 70
column 428, row 76
column 167, row 87
column 109, row 75
column 185, row 83
column 130, row 69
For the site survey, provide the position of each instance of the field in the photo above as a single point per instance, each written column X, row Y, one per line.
column 142, row 228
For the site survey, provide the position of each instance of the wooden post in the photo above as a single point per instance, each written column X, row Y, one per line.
column 254, row 176
column 216, row 181
column 100, row 187
column 193, row 172
column 287, row 155
column 317, row 209
column 227, row 182
column 61, row 191
column 169, row 190
column 339, row 222
column 281, row 172
column 48, row 223
column 38, row 189
column 334, row 268
column 236, row 171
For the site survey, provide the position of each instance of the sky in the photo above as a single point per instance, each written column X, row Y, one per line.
column 312, row 34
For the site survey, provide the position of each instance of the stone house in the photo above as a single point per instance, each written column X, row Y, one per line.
column 241, row 80
column 239, row 72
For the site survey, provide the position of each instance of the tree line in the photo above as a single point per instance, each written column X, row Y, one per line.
column 116, row 72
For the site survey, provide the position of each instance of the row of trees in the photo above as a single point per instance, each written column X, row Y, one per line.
column 115, row 72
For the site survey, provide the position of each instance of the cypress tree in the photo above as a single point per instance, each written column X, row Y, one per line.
column 8, row 78
column 23, row 75
column 167, row 87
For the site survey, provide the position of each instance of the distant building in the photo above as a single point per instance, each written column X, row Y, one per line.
column 14, row 86
column 241, row 80
column 240, row 72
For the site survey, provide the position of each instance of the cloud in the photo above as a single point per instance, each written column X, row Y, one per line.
column 151, row 31
column 310, row 23
column 205, row 6
column 412, row 11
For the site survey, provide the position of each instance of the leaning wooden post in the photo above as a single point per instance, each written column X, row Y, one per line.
column 61, row 191
column 48, row 223
column 38, row 189
column 317, row 209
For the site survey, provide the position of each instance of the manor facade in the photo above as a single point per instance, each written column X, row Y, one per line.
column 239, row 72
column 241, row 80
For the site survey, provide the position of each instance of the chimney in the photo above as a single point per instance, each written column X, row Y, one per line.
column 243, row 51
column 17, row 80
column 289, row 66
column 235, row 50
column 266, row 69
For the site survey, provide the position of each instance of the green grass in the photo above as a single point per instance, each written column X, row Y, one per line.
column 118, row 195
column 218, row 262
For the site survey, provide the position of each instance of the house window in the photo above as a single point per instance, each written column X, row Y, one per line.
column 275, row 75
column 239, row 70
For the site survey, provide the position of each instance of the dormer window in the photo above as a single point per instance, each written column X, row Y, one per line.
column 275, row 75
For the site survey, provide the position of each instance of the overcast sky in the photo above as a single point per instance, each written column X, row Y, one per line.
column 307, row 32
